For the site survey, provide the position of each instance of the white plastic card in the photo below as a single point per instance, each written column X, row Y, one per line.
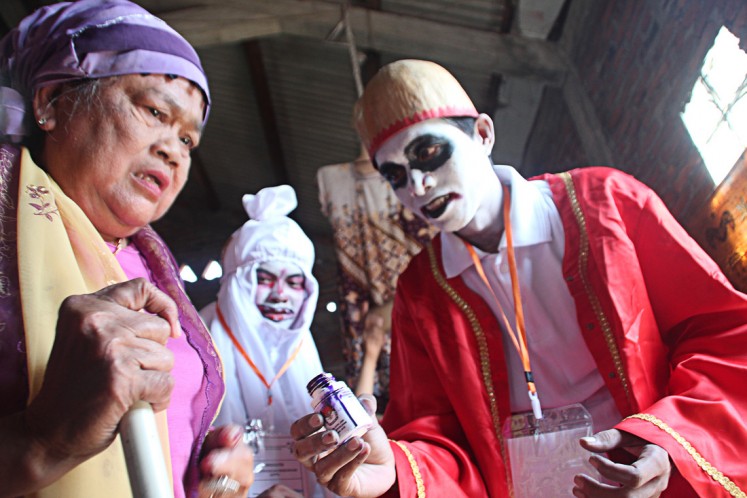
column 544, row 455
column 275, row 464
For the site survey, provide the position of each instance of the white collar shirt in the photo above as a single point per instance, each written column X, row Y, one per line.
column 563, row 367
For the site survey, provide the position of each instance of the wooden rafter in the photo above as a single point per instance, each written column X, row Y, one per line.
column 375, row 30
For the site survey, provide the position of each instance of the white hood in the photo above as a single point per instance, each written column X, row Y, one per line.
column 268, row 235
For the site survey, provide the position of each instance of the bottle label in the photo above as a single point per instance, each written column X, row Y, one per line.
column 344, row 414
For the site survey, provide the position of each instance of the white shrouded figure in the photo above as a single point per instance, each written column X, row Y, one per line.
column 267, row 301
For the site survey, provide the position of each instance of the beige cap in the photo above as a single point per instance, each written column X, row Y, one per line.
column 404, row 93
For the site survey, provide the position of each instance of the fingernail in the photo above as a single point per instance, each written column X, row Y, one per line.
column 589, row 439
column 316, row 421
column 330, row 437
column 234, row 435
column 354, row 444
column 368, row 402
column 218, row 459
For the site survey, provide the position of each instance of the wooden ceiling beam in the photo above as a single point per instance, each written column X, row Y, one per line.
column 445, row 43
column 407, row 36
column 584, row 116
column 219, row 24
column 263, row 95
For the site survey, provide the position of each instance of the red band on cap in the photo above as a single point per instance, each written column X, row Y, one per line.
column 441, row 112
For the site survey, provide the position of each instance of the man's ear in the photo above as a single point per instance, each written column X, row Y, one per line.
column 485, row 133
column 45, row 112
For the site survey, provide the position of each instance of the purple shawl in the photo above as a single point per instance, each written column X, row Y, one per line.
column 70, row 41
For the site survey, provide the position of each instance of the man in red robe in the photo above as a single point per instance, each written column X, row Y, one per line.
column 624, row 314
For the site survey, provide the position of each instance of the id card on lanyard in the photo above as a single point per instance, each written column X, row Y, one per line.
column 274, row 463
column 544, row 453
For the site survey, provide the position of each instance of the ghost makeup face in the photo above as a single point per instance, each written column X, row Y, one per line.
column 281, row 291
column 441, row 173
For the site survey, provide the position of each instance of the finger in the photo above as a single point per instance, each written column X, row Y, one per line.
column 369, row 403
column 279, row 491
column 145, row 326
column 234, row 462
column 624, row 474
column 653, row 462
column 601, row 441
column 139, row 294
column 225, row 436
column 158, row 389
column 141, row 368
column 307, row 450
column 348, row 457
column 150, row 355
column 306, row 425
column 100, row 318
column 610, row 439
column 346, row 471
column 586, row 486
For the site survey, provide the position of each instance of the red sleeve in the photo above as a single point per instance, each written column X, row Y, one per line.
column 429, row 444
column 702, row 321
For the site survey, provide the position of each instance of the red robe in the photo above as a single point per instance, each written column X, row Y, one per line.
column 666, row 329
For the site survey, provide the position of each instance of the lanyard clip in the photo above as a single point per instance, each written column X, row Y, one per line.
column 536, row 407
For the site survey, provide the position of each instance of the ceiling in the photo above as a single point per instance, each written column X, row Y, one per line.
column 283, row 87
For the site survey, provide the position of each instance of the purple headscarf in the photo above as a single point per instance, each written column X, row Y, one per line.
column 69, row 41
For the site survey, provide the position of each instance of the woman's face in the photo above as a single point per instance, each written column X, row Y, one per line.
column 281, row 291
column 124, row 158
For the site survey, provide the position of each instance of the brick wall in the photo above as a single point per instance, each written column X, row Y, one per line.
column 638, row 61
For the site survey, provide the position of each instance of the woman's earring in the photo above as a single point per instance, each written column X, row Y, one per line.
column 42, row 121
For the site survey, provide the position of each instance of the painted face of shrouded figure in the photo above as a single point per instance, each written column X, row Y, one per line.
column 281, row 291
column 438, row 171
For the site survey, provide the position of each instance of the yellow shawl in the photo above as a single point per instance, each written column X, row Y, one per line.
column 60, row 253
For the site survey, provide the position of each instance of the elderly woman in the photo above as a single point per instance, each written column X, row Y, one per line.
column 261, row 326
column 100, row 106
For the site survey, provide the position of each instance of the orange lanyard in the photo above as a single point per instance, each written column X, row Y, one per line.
column 243, row 352
column 520, row 342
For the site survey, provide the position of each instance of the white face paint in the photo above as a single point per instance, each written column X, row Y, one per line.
column 280, row 291
column 440, row 173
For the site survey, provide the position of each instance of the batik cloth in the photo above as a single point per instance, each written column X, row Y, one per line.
column 375, row 237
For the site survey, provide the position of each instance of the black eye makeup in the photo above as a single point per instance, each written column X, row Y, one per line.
column 394, row 173
column 429, row 152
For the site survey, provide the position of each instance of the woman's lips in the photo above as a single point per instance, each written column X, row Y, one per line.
column 152, row 180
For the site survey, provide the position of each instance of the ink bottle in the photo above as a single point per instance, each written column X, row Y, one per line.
column 342, row 411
